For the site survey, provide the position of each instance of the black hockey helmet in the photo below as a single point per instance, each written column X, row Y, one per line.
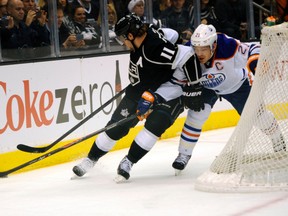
column 128, row 24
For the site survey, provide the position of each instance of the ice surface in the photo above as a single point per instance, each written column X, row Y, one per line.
column 152, row 189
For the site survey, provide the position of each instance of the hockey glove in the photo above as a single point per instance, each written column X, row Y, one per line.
column 145, row 104
column 192, row 97
column 250, row 78
column 252, row 63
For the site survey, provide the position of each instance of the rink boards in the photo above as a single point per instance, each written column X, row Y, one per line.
column 41, row 101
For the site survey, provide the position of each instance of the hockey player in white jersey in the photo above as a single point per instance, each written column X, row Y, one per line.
column 227, row 64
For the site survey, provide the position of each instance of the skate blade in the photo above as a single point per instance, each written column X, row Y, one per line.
column 177, row 172
column 75, row 177
column 119, row 179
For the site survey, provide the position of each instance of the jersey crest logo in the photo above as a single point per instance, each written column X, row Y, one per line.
column 133, row 74
column 219, row 66
column 212, row 80
column 124, row 112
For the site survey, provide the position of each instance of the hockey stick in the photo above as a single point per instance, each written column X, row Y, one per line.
column 42, row 157
column 31, row 149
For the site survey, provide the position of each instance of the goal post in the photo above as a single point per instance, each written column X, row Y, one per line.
column 254, row 159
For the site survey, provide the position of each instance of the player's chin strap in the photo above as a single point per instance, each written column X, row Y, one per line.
column 208, row 63
column 213, row 49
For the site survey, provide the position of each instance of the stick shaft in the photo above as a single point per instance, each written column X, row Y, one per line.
column 31, row 149
column 77, row 141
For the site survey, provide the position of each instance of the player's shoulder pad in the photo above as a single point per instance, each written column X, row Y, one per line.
column 183, row 54
column 226, row 46
column 155, row 45
column 188, row 43
column 170, row 34
column 254, row 49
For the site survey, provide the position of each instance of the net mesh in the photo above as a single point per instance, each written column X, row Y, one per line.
column 254, row 159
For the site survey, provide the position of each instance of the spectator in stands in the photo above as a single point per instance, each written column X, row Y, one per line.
column 66, row 39
column 282, row 7
column 22, row 35
column 42, row 3
column 208, row 15
column 6, row 21
column 82, row 29
column 65, row 6
column 188, row 3
column 121, row 6
column 3, row 10
column 67, row 20
column 112, row 17
column 138, row 7
column 112, row 20
column 232, row 17
column 91, row 8
column 159, row 6
column 30, row 6
column 177, row 18
column 35, row 17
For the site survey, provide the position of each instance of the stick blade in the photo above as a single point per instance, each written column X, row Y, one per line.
column 31, row 149
column 3, row 175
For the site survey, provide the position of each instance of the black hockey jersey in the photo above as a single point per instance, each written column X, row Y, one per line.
column 151, row 64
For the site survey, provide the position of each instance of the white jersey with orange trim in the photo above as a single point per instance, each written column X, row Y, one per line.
column 226, row 71
column 186, row 65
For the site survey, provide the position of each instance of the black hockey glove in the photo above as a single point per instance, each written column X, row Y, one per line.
column 192, row 97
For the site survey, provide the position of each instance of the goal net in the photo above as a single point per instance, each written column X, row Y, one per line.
column 256, row 157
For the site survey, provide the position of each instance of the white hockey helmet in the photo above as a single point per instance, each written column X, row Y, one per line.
column 204, row 35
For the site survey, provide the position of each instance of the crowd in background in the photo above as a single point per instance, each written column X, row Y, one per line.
column 26, row 23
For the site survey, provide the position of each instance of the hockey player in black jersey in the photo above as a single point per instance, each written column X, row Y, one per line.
column 153, row 61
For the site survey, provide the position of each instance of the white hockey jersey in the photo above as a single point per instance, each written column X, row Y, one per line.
column 226, row 71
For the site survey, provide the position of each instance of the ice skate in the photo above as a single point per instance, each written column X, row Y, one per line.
column 83, row 167
column 180, row 163
column 123, row 170
column 279, row 144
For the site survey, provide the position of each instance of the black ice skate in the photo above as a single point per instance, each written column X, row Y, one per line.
column 180, row 163
column 83, row 167
column 123, row 170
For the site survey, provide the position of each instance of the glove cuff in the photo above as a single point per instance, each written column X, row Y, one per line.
column 148, row 96
column 252, row 63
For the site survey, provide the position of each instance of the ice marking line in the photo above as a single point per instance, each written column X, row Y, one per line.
column 258, row 207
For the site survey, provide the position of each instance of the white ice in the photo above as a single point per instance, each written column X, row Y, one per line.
column 152, row 189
